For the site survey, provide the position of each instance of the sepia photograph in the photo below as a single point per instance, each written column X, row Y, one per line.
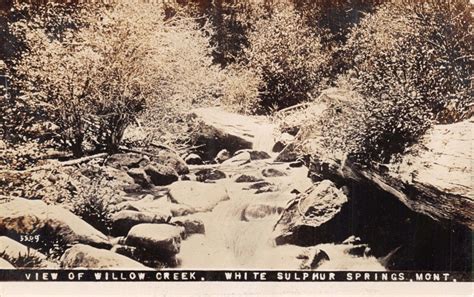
column 232, row 141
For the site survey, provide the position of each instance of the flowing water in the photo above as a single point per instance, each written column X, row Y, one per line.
column 230, row 242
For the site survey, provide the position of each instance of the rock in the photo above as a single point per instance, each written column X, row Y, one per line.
column 4, row 264
column 178, row 210
column 140, row 177
column 272, row 172
column 22, row 256
column 193, row 159
column 84, row 256
column 124, row 220
column 245, row 178
column 198, row 196
column 172, row 160
column 222, row 155
column 127, row 160
column 257, row 211
column 118, row 178
column 259, row 185
column 254, row 154
column 161, row 175
column 313, row 258
column 191, row 225
column 307, row 219
column 160, row 207
column 209, row 174
column 218, row 129
column 125, row 250
column 358, row 250
column 156, row 238
column 23, row 216
column 352, row 240
column 284, row 140
column 238, row 160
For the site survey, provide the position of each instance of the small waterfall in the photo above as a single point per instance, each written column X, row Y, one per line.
column 230, row 242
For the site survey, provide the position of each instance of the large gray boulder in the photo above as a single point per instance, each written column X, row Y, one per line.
column 160, row 239
column 22, row 216
column 172, row 160
column 84, row 256
column 305, row 220
column 199, row 196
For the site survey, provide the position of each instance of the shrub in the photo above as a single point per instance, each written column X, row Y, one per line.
column 287, row 57
column 96, row 79
column 412, row 63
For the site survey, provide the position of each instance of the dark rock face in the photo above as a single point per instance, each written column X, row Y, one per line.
column 209, row 174
column 161, row 175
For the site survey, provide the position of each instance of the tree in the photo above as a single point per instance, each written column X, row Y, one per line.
column 95, row 78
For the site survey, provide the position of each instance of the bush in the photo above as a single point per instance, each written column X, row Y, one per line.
column 94, row 80
column 412, row 63
column 288, row 59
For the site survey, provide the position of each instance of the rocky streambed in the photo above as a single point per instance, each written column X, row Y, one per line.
column 235, row 207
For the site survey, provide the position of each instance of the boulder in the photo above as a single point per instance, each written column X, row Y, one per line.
column 178, row 210
column 140, row 177
column 312, row 258
column 209, row 174
column 199, row 196
column 161, row 239
column 283, row 140
column 358, row 250
column 306, row 219
column 190, row 224
column 4, row 264
column 85, row 256
column 254, row 154
column 172, row 160
column 272, row 172
column 23, row 216
column 238, row 160
column 124, row 220
column 22, row 256
column 127, row 160
column 161, row 175
column 125, row 250
column 246, row 178
column 193, row 159
column 222, row 155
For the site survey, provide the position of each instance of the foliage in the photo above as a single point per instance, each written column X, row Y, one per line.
column 412, row 63
column 93, row 206
column 95, row 80
column 287, row 57
column 23, row 260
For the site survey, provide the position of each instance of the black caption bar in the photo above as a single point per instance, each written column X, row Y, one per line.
column 236, row 276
